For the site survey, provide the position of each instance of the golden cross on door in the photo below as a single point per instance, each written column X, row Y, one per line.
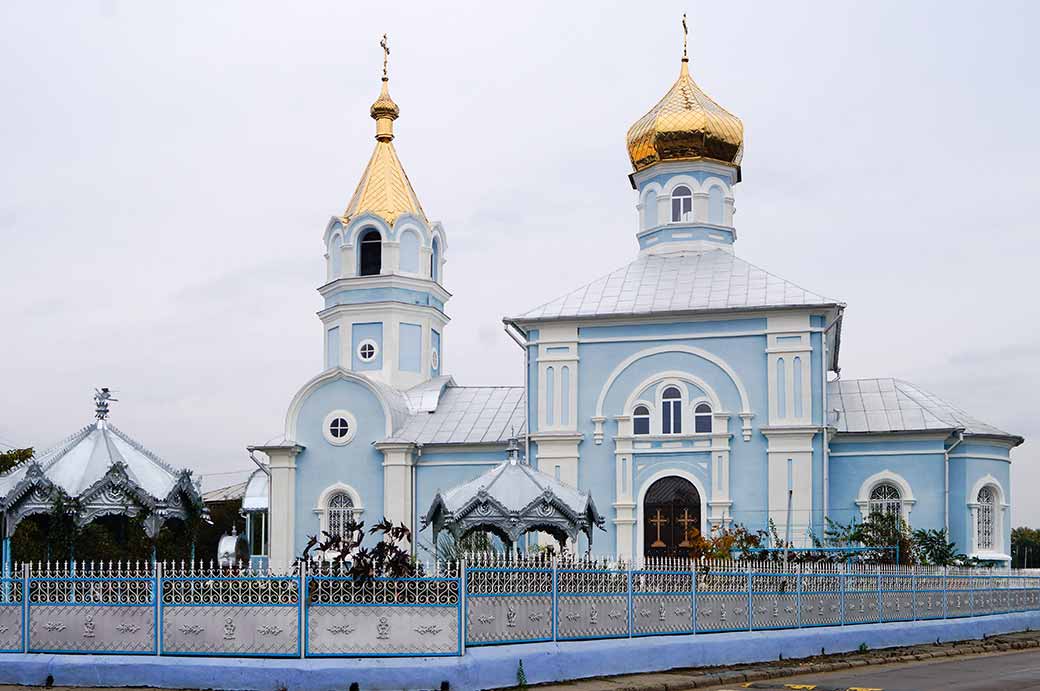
column 659, row 520
column 386, row 52
column 685, row 522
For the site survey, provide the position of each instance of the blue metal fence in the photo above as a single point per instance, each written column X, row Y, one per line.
column 319, row 611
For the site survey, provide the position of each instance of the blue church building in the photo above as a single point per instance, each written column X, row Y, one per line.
column 688, row 389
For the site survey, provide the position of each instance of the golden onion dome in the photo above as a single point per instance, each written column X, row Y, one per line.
column 685, row 125
column 384, row 111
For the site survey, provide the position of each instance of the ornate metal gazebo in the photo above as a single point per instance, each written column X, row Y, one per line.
column 512, row 499
column 106, row 471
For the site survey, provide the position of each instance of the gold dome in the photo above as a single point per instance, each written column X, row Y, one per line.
column 384, row 189
column 686, row 125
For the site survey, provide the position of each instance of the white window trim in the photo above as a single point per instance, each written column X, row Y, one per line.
column 435, row 359
column 653, row 417
column 327, row 433
column 684, row 410
column 375, row 353
column 321, row 509
column 998, row 551
column 906, row 495
column 693, row 415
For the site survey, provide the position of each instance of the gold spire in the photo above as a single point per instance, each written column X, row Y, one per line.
column 384, row 188
column 686, row 124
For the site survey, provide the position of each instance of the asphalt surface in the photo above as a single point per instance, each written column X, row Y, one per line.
column 994, row 672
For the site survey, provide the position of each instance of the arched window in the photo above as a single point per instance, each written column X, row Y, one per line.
column 702, row 418
column 336, row 256
column 371, row 254
column 339, row 513
column 435, row 260
column 409, row 261
column 885, row 499
column 716, row 200
column 986, row 529
column 671, row 411
column 641, row 420
column 682, row 204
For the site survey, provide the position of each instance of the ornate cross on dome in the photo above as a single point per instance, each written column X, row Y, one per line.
column 685, row 32
column 102, row 397
column 386, row 53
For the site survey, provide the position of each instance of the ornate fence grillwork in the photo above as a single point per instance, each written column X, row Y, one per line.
column 321, row 610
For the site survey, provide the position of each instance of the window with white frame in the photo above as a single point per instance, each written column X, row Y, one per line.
column 702, row 418
column 886, row 499
column 367, row 350
column 339, row 427
column 641, row 420
column 986, row 520
column 682, row 204
column 671, row 411
column 339, row 513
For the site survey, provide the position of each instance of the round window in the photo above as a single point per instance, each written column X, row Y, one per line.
column 367, row 350
column 435, row 359
column 339, row 427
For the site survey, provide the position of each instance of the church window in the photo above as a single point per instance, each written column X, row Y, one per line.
column 671, row 411
column 340, row 426
column 435, row 359
column 702, row 418
column 885, row 499
column 371, row 254
column 367, row 350
column 682, row 204
column 641, row 420
column 409, row 252
column 435, row 260
column 340, row 512
column 986, row 531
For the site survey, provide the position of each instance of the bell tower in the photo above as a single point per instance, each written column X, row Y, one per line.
column 384, row 299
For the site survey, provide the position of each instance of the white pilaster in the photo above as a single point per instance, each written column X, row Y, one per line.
column 398, row 500
column 282, row 464
column 790, row 467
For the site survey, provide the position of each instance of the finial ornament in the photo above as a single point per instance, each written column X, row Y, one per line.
column 685, row 33
column 385, row 45
column 102, row 397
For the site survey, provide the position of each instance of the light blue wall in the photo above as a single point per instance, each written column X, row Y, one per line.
column 410, row 348
column 361, row 296
column 321, row 464
column 358, row 333
column 966, row 469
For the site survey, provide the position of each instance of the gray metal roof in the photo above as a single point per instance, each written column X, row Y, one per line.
column 893, row 405
column 469, row 415
column 255, row 497
column 681, row 282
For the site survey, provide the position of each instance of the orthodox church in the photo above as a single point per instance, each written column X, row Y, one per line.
column 688, row 389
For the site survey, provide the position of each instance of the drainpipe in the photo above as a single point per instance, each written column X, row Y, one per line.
column 520, row 338
column 946, row 482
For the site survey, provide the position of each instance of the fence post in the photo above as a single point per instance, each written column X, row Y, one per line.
column 844, row 587
column 555, row 589
column 301, row 613
column 693, row 595
column 628, row 572
column 463, row 604
column 157, row 603
column 25, row 607
column 798, row 596
column 880, row 598
column 750, row 600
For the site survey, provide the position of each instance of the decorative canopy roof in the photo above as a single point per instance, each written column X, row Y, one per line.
column 106, row 471
column 683, row 282
column 893, row 405
column 686, row 124
column 384, row 189
column 512, row 499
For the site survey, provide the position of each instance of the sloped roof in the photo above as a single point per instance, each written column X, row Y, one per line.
column 228, row 493
column 515, row 485
column 384, row 188
column 894, row 405
column 682, row 282
column 469, row 415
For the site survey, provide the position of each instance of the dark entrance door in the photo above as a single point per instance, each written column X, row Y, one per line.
column 671, row 514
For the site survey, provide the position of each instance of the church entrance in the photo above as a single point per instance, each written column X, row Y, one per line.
column 671, row 512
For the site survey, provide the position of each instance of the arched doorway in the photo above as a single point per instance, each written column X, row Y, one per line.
column 671, row 512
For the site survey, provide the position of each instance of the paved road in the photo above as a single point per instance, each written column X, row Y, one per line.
column 995, row 672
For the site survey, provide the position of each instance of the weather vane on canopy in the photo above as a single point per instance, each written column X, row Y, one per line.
column 102, row 397
column 386, row 53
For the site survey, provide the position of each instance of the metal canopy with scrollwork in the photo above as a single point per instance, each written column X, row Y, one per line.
column 105, row 472
column 512, row 499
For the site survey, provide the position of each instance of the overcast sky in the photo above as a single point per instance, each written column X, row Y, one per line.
column 169, row 168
